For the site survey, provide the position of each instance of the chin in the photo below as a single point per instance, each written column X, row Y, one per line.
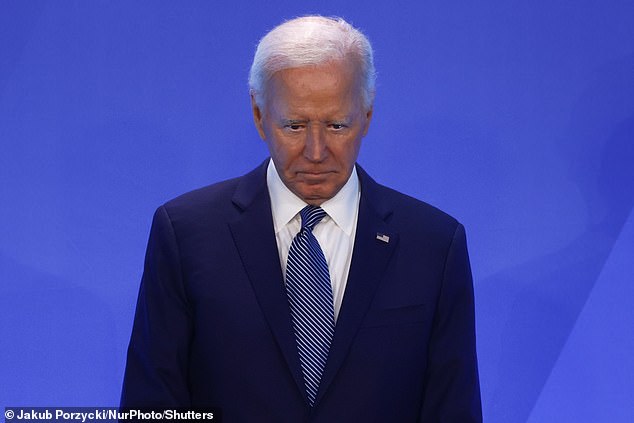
column 314, row 198
column 313, row 193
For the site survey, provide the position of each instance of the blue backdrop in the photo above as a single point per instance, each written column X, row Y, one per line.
column 516, row 117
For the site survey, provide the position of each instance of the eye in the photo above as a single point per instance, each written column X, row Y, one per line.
column 294, row 127
column 338, row 126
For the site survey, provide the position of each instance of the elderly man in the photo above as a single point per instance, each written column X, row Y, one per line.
column 304, row 291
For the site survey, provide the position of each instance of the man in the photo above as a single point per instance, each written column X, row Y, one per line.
column 304, row 291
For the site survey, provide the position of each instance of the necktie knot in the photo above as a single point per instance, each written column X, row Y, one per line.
column 311, row 216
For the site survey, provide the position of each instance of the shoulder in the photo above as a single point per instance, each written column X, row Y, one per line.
column 419, row 221
column 403, row 210
column 204, row 199
column 406, row 207
column 218, row 201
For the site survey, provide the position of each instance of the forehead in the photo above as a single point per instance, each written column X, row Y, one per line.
column 332, row 86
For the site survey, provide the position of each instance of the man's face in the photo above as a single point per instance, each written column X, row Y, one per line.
column 313, row 120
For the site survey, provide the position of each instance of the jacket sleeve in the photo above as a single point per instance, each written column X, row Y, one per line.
column 157, row 359
column 452, row 389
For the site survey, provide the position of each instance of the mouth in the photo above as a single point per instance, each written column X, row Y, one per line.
column 312, row 173
column 310, row 176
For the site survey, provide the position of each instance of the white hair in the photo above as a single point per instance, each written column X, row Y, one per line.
column 312, row 40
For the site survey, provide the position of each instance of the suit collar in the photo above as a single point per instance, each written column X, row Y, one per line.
column 374, row 195
column 251, row 188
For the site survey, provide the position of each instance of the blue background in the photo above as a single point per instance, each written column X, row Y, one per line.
column 516, row 117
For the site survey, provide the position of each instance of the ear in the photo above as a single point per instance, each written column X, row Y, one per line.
column 257, row 117
column 368, row 118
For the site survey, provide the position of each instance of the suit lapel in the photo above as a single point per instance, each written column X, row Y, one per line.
column 370, row 258
column 254, row 237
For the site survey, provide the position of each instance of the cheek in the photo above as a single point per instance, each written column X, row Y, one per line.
column 347, row 152
column 283, row 151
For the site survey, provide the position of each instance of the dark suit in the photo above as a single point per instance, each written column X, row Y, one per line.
column 212, row 325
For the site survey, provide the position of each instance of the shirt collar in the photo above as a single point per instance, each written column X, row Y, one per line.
column 285, row 205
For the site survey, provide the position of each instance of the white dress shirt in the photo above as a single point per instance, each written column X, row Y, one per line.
column 335, row 233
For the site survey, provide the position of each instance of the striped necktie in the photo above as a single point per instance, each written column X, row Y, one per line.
column 310, row 299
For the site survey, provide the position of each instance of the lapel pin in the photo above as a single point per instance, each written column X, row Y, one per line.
column 382, row 237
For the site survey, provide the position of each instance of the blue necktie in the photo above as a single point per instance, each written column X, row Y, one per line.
column 310, row 299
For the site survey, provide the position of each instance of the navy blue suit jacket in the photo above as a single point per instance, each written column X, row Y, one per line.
column 213, row 328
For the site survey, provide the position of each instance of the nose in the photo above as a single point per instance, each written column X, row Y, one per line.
column 315, row 149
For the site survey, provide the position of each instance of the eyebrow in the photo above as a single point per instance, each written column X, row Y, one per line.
column 293, row 121
column 343, row 120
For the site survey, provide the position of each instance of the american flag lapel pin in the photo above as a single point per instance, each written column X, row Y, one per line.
column 382, row 237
